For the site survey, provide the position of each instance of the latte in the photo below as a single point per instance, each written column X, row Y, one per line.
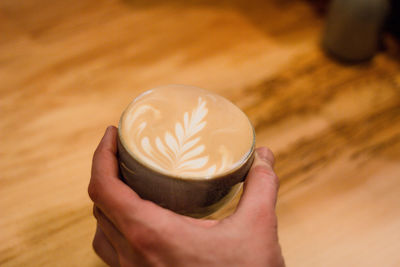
column 187, row 132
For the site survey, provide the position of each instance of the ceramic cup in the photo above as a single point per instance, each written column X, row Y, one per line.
column 185, row 148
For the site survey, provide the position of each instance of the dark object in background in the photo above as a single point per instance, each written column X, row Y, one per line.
column 353, row 28
column 321, row 6
column 393, row 23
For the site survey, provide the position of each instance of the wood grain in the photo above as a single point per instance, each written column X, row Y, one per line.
column 69, row 68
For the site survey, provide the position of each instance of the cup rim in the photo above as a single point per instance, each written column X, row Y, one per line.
column 186, row 178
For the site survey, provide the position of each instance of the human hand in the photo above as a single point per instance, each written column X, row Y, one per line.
column 136, row 232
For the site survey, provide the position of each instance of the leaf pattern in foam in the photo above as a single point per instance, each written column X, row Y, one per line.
column 182, row 151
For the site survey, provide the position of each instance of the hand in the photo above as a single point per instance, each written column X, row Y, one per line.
column 136, row 232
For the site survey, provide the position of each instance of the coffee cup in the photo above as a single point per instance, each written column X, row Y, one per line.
column 185, row 148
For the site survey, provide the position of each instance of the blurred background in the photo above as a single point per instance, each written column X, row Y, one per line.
column 319, row 80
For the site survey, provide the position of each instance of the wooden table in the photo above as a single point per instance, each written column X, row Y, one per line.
column 69, row 68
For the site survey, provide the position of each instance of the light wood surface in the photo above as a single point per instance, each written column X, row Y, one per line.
column 69, row 68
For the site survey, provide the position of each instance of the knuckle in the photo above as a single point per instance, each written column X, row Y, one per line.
column 274, row 179
column 263, row 171
column 93, row 191
column 268, row 174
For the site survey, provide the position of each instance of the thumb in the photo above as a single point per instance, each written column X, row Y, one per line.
column 260, row 188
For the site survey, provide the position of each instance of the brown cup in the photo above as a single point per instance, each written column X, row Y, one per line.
column 184, row 195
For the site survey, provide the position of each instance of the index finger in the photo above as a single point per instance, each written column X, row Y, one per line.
column 118, row 201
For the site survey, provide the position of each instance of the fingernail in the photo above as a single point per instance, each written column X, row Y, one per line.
column 262, row 155
column 265, row 156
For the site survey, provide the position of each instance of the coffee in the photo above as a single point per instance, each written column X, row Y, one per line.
column 187, row 132
column 185, row 148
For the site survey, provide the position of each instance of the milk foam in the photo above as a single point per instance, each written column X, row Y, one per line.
column 187, row 132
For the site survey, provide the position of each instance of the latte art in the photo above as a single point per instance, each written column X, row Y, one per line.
column 186, row 132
